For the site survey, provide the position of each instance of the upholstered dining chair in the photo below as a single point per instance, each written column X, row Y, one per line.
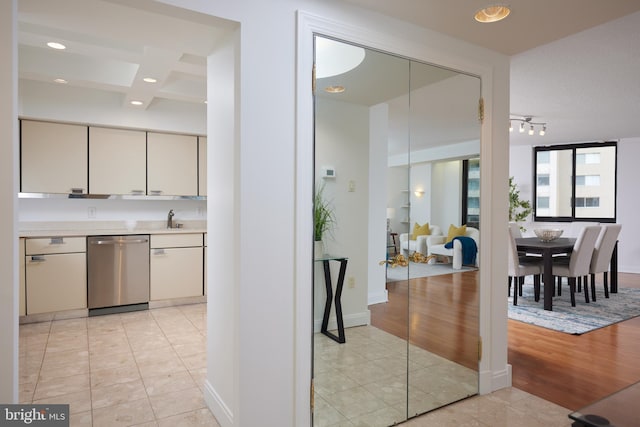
column 522, row 266
column 579, row 262
column 601, row 257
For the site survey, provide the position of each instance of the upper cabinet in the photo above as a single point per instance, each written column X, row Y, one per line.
column 117, row 161
column 58, row 158
column 172, row 164
column 202, row 166
column 53, row 158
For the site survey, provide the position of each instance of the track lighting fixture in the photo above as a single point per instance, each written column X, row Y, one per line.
column 528, row 121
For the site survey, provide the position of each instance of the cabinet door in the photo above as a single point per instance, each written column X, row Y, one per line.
column 23, row 303
column 56, row 282
column 202, row 166
column 172, row 162
column 117, row 161
column 175, row 273
column 53, row 158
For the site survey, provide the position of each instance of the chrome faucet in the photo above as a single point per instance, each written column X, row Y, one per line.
column 170, row 219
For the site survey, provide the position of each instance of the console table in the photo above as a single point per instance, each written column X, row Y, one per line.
column 325, row 259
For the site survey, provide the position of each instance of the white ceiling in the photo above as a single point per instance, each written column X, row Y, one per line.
column 574, row 62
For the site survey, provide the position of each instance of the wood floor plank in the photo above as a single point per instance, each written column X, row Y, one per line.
column 569, row 370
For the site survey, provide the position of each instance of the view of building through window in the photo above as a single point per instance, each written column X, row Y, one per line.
column 575, row 182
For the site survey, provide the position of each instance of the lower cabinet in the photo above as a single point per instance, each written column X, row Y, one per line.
column 55, row 274
column 176, row 266
column 23, row 296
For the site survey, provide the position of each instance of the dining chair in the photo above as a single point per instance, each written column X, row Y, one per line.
column 579, row 262
column 520, row 267
column 601, row 257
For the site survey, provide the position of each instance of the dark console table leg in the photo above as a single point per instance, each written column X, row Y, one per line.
column 327, row 306
column 614, row 270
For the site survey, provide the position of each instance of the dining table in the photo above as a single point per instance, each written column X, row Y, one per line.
column 562, row 245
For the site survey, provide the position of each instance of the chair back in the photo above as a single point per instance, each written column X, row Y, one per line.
column 583, row 250
column 604, row 247
column 513, row 258
column 575, row 228
column 515, row 229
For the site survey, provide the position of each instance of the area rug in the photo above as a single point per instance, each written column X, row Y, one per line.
column 417, row 269
column 579, row 319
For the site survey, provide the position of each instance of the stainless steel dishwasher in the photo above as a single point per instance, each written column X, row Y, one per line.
column 117, row 273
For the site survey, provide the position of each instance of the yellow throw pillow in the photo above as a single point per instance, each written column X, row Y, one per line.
column 420, row 230
column 455, row 232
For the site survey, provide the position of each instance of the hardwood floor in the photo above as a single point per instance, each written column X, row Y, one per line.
column 571, row 371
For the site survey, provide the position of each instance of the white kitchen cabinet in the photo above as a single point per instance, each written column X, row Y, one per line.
column 117, row 161
column 172, row 164
column 202, row 166
column 205, row 264
column 23, row 303
column 53, row 157
column 176, row 266
column 55, row 274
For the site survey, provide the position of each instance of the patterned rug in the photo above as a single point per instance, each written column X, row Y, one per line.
column 579, row 319
column 418, row 269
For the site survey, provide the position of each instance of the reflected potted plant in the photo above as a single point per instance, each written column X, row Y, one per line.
column 519, row 209
column 323, row 220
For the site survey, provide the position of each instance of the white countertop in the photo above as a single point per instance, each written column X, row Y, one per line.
column 95, row 228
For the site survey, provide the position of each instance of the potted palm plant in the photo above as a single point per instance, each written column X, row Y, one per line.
column 323, row 220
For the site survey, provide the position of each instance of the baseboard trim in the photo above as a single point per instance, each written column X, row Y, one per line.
column 223, row 414
column 491, row 381
column 349, row 321
column 378, row 298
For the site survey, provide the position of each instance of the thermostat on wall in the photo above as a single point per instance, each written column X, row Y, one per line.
column 328, row 172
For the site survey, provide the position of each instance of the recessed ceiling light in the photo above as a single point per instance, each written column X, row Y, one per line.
column 62, row 81
column 150, row 80
column 493, row 13
column 56, row 45
column 334, row 89
column 136, row 102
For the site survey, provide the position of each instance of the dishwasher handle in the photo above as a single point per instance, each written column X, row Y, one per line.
column 119, row 241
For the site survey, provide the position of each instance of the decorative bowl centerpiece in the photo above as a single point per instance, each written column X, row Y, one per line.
column 548, row 234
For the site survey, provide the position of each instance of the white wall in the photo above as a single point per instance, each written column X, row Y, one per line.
column 446, row 198
column 422, row 205
column 628, row 175
column 342, row 141
column 8, row 194
column 109, row 210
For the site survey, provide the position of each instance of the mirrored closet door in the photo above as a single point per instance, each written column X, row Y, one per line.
column 393, row 333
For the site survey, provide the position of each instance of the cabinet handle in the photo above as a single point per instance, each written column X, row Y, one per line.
column 159, row 252
column 77, row 191
column 38, row 258
column 155, row 192
column 118, row 242
column 137, row 192
column 57, row 241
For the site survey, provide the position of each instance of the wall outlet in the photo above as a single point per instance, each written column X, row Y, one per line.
column 199, row 211
column 91, row 212
column 351, row 282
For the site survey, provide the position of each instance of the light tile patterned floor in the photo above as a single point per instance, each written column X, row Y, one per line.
column 148, row 368
column 141, row 368
column 363, row 382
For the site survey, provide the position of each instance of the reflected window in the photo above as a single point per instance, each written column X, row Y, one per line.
column 576, row 182
column 471, row 192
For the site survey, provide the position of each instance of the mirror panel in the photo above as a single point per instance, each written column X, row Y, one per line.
column 363, row 380
column 389, row 152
